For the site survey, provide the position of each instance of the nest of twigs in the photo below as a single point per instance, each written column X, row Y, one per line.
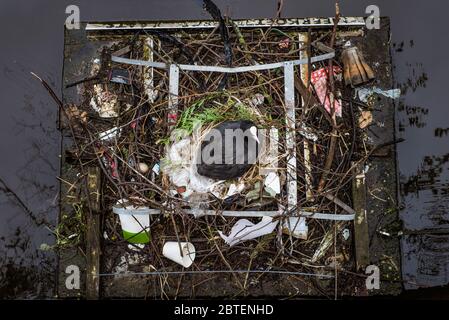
column 138, row 113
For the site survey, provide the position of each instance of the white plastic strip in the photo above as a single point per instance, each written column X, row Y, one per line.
column 289, row 88
column 242, row 214
column 188, row 67
column 173, row 97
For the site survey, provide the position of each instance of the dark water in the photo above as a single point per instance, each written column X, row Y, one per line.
column 31, row 37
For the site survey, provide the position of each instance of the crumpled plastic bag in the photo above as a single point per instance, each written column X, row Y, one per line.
column 180, row 166
column 319, row 80
column 244, row 230
column 272, row 184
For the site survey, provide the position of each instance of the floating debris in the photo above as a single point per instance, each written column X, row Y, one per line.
column 297, row 227
column 356, row 70
column 365, row 119
column 346, row 234
column 120, row 76
column 245, row 230
column 320, row 82
column 272, row 184
column 135, row 221
column 143, row 167
column 365, row 93
column 182, row 253
column 109, row 134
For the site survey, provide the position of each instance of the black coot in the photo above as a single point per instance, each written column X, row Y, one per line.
column 228, row 150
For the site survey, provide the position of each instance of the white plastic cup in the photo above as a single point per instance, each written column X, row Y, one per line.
column 135, row 222
column 171, row 250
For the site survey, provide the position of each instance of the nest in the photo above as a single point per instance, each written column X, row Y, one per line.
column 126, row 130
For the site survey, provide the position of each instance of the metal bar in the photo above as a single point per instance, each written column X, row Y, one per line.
column 165, row 273
column 328, row 216
column 187, row 67
column 148, row 74
column 289, row 88
column 243, row 214
column 153, row 64
column 273, row 151
column 257, row 67
column 208, row 24
column 173, row 96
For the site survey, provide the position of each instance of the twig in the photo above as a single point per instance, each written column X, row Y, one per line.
column 334, row 134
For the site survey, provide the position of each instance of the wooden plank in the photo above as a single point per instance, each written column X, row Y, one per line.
column 93, row 248
column 69, row 257
column 361, row 236
column 381, row 177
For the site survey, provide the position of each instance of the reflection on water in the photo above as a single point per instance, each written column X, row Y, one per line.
column 440, row 132
column 28, row 185
column 428, row 177
column 423, row 164
column 416, row 116
column 25, row 272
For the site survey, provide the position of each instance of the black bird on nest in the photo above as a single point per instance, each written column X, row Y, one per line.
column 228, row 150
